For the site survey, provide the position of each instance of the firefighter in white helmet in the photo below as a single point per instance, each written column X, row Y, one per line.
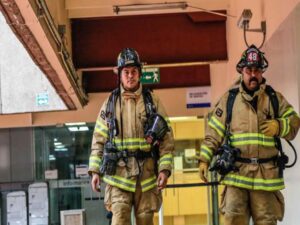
column 132, row 147
column 250, row 161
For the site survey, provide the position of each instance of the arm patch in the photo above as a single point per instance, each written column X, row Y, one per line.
column 102, row 115
column 219, row 112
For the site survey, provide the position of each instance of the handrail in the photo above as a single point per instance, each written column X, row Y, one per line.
column 192, row 185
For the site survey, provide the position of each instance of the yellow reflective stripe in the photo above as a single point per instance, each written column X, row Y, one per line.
column 285, row 129
column 94, row 161
column 132, row 144
column 101, row 128
column 217, row 126
column 166, row 159
column 148, row 183
column 125, row 184
column 168, row 121
column 254, row 183
column 94, row 165
column 290, row 111
column 251, row 139
column 206, row 152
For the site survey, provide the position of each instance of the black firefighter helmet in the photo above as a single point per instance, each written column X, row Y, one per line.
column 252, row 57
column 128, row 57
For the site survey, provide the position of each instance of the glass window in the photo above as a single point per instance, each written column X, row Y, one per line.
column 62, row 148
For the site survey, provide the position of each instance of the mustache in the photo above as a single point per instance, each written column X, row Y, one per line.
column 253, row 79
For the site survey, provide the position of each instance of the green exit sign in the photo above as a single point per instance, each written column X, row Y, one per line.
column 150, row 76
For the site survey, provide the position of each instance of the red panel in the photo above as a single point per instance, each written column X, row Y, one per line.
column 165, row 38
column 170, row 77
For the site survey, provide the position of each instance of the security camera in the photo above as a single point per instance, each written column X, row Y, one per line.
column 244, row 19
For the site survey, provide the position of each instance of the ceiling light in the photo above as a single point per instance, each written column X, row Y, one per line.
column 60, row 146
column 60, row 149
column 73, row 129
column 75, row 124
column 154, row 6
column 52, row 157
column 57, row 143
column 85, row 128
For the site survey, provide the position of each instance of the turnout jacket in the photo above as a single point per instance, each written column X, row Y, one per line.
column 131, row 138
column 246, row 135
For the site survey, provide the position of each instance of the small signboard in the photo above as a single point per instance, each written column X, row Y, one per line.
column 198, row 97
column 42, row 99
column 69, row 183
column 150, row 76
column 81, row 170
column 189, row 152
column 51, row 174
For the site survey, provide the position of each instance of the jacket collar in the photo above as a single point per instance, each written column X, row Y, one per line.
column 130, row 94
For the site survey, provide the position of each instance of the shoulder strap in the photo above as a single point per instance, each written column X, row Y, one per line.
column 230, row 101
column 275, row 104
column 274, row 100
column 148, row 101
column 110, row 113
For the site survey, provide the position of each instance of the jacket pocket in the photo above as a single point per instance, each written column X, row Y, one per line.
column 156, row 199
column 279, row 206
column 107, row 197
column 223, row 200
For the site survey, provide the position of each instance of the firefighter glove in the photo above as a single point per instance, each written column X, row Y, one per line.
column 270, row 127
column 203, row 170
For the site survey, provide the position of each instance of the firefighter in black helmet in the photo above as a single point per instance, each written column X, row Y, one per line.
column 128, row 57
column 123, row 147
column 253, row 188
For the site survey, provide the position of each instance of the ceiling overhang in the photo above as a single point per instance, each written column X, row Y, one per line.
column 162, row 40
column 104, row 8
column 170, row 77
column 24, row 22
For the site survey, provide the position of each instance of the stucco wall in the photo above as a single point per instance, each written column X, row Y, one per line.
column 21, row 80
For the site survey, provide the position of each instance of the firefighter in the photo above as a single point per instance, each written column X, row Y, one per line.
column 252, row 188
column 131, row 153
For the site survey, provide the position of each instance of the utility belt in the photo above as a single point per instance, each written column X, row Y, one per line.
column 111, row 156
column 256, row 160
column 139, row 154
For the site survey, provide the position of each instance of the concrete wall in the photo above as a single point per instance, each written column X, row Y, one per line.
column 21, row 81
column 284, row 58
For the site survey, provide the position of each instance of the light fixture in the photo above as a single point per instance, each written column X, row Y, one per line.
column 75, row 124
column 52, row 158
column 60, row 146
column 84, row 128
column 80, row 128
column 60, row 149
column 73, row 129
column 57, row 143
column 154, row 6
column 243, row 23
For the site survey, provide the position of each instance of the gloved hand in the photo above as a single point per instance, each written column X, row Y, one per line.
column 203, row 170
column 270, row 127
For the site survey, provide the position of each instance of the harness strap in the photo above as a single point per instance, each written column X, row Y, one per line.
column 139, row 154
column 256, row 160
